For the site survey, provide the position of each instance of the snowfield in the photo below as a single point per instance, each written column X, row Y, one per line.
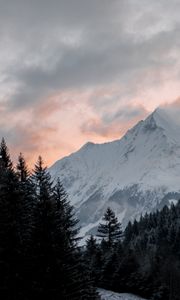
column 108, row 295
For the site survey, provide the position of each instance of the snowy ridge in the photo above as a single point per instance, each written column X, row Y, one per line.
column 108, row 295
column 135, row 174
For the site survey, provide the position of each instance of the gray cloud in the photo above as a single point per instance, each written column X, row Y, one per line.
column 48, row 47
column 114, row 123
column 78, row 44
column 124, row 114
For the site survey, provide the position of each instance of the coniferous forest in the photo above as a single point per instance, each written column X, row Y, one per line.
column 40, row 256
column 143, row 260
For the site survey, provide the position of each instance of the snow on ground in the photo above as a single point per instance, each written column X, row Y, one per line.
column 173, row 201
column 108, row 295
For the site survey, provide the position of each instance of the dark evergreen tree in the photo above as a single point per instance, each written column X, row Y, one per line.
column 91, row 247
column 111, row 263
column 110, row 230
column 43, row 232
column 5, row 156
column 66, row 214
column 22, row 169
column 65, row 242
column 128, row 233
column 59, row 272
column 27, row 223
column 77, row 280
column 39, row 253
column 93, row 259
column 10, row 226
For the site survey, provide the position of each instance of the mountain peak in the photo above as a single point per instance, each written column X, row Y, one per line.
column 87, row 145
column 164, row 120
column 132, row 175
column 157, row 118
column 150, row 123
column 164, row 116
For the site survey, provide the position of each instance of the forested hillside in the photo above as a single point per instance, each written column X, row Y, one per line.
column 144, row 259
column 40, row 256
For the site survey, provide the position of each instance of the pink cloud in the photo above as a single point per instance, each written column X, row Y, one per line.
column 116, row 125
column 61, row 123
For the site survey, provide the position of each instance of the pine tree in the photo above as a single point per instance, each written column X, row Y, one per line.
column 42, row 181
column 58, row 269
column 64, row 241
column 39, row 253
column 5, row 156
column 76, row 281
column 110, row 230
column 10, row 226
column 26, row 219
column 128, row 233
column 91, row 247
column 91, row 257
column 22, row 169
column 65, row 213
column 44, row 226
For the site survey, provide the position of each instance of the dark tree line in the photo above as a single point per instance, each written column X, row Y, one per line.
column 39, row 253
column 144, row 260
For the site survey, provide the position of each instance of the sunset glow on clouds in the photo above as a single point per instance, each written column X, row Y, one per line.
column 75, row 70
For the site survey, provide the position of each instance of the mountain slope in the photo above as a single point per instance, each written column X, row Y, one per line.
column 108, row 295
column 137, row 173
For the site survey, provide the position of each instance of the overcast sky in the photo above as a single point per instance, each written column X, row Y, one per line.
column 73, row 71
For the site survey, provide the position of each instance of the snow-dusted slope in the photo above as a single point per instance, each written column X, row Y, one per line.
column 137, row 173
column 108, row 295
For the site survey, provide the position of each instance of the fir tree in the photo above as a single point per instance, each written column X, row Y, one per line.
column 64, row 241
column 128, row 233
column 27, row 223
column 110, row 230
column 44, row 226
column 91, row 247
column 92, row 259
column 58, row 267
column 5, row 156
column 22, row 169
column 76, row 281
column 10, row 225
column 65, row 213
column 39, row 254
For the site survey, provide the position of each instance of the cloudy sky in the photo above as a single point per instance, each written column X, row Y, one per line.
column 73, row 71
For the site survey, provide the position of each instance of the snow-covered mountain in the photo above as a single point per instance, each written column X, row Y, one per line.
column 133, row 175
column 108, row 295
